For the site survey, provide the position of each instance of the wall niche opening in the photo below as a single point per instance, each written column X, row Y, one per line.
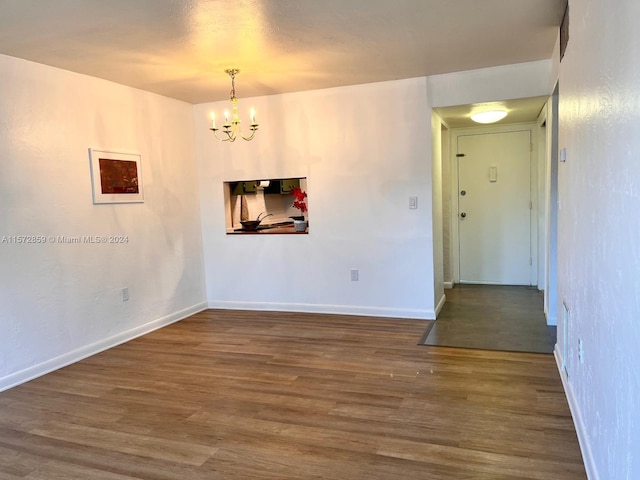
column 275, row 205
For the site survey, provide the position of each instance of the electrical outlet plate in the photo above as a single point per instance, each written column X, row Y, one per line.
column 354, row 275
column 124, row 294
column 580, row 351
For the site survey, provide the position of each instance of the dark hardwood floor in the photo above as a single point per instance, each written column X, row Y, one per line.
column 493, row 317
column 266, row 395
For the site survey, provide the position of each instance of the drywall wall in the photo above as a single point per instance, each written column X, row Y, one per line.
column 446, row 206
column 506, row 82
column 438, row 229
column 551, row 217
column 598, row 232
column 365, row 150
column 541, row 214
column 61, row 301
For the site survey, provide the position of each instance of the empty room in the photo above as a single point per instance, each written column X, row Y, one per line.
column 237, row 239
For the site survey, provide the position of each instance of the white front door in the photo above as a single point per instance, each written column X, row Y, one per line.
column 494, row 215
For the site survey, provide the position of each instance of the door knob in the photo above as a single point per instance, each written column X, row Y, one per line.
column 463, row 214
column 463, row 193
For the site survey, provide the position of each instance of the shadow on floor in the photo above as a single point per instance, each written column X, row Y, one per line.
column 492, row 317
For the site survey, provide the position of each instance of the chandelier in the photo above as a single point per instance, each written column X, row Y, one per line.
column 232, row 128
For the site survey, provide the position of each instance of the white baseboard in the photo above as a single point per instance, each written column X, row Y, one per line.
column 441, row 303
column 448, row 285
column 581, row 431
column 407, row 313
column 22, row 376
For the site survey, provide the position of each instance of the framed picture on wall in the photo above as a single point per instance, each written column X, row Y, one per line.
column 115, row 177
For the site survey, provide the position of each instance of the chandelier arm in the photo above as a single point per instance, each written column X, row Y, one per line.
column 253, row 132
column 230, row 136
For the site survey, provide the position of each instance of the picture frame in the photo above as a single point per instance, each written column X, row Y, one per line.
column 116, row 177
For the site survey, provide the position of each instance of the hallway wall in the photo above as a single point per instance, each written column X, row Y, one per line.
column 599, row 228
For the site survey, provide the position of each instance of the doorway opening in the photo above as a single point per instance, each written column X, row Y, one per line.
column 490, row 279
column 495, row 207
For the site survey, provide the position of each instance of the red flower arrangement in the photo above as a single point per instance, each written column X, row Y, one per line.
column 299, row 197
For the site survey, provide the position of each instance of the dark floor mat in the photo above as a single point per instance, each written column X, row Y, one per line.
column 492, row 317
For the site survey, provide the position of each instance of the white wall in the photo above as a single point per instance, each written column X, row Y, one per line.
column 447, row 212
column 540, row 213
column 365, row 149
column 61, row 302
column 599, row 231
column 551, row 217
column 437, row 161
column 521, row 80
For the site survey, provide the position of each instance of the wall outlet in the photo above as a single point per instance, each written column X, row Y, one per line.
column 355, row 276
column 580, row 351
column 124, row 294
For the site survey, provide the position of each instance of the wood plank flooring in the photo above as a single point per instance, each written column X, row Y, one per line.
column 266, row 395
column 493, row 317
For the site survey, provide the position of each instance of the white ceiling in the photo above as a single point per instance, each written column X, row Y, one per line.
column 180, row 48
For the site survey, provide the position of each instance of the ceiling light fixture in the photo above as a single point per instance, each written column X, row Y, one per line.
column 489, row 117
column 232, row 128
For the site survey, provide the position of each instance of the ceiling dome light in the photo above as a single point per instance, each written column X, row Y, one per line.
column 488, row 117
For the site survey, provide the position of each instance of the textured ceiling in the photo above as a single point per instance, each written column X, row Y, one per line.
column 180, row 48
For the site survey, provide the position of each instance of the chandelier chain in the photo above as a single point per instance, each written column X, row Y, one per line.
column 232, row 73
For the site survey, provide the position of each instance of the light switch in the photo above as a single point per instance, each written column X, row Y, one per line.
column 493, row 174
column 563, row 154
column 413, row 203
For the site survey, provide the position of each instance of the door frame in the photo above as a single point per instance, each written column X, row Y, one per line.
column 551, row 302
column 533, row 190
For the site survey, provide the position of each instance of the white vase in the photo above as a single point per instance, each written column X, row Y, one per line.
column 300, row 225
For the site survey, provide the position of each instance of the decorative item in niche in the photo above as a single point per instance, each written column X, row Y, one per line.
column 300, row 203
column 115, row 177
